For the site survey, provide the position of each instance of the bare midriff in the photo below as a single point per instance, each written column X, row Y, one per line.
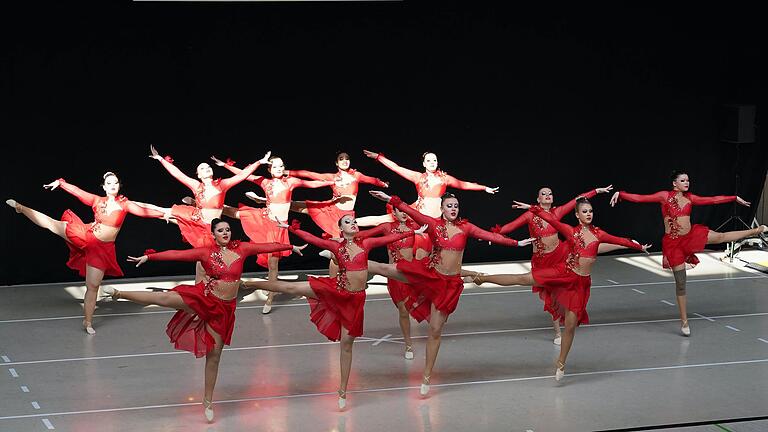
column 105, row 233
column 279, row 211
column 357, row 280
column 584, row 268
column 225, row 290
column 550, row 243
column 209, row 214
column 450, row 262
column 683, row 224
column 430, row 206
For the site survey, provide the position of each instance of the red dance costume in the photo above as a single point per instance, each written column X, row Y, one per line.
column 538, row 228
column 194, row 229
column 326, row 214
column 559, row 286
column 679, row 248
column 424, row 188
column 187, row 331
column 84, row 247
column 428, row 285
column 258, row 224
column 336, row 306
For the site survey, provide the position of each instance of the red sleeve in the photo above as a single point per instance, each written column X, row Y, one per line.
column 228, row 183
column 375, row 242
column 562, row 228
column 312, row 184
column 604, row 237
column 402, row 172
column 568, row 207
column 521, row 220
column 137, row 210
column 379, row 230
column 258, row 248
column 178, row 175
column 310, row 175
column 314, row 240
column 235, row 170
column 658, row 197
column 719, row 199
column 196, row 254
column 86, row 198
column 362, row 178
column 482, row 234
column 416, row 215
column 464, row 185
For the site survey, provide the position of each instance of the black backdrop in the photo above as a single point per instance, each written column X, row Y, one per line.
column 570, row 99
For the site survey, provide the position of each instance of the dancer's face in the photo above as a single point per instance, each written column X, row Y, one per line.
column 430, row 162
column 342, row 161
column 681, row 183
column 545, row 196
column 401, row 216
column 277, row 169
column 204, row 171
column 584, row 213
column 349, row 225
column 450, row 209
column 111, row 185
column 222, row 233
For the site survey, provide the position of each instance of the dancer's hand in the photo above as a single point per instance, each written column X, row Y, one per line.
column 52, row 185
column 370, row 154
column 139, row 261
column 525, row 242
column 154, row 154
column 257, row 198
column 265, row 159
column 604, row 189
column 520, row 205
column 380, row 195
column 386, row 184
column 167, row 216
column 188, row 200
column 421, row 230
column 741, row 201
column 218, row 161
column 298, row 249
column 614, row 199
column 491, row 190
column 282, row 224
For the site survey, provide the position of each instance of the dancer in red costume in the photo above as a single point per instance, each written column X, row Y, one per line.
column 681, row 239
column 205, row 318
column 565, row 287
column 337, row 303
column 548, row 250
column 195, row 221
column 259, row 223
column 437, row 285
column 91, row 246
column 430, row 186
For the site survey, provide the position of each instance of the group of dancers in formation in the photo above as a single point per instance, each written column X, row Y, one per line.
column 425, row 243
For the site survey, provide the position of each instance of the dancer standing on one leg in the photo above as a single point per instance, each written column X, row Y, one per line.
column 91, row 246
column 430, row 186
column 205, row 318
column 437, row 286
column 260, row 225
column 565, row 288
column 195, row 221
column 681, row 239
column 548, row 250
column 336, row 303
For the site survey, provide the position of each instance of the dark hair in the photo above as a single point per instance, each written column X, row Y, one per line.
column 424, row 155
column 581, row 201
column 676, row 173
column 340, row 152
column 446, row 196
column 107, row 174
column 215, row 222
column 338, row 222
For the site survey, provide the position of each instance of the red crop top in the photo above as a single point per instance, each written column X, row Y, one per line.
column 421, row 179
column 342, row 184
column 103, row 212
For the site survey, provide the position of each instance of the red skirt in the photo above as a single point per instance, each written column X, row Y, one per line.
column 85, row 249
column 334, row 308
column 193, row 228
column 187, row 331
column 261, row 229
column 398, row 291
column 681, row 250
column 429, row 287
column 551, row 259
column 326, row 215
column 562, row 290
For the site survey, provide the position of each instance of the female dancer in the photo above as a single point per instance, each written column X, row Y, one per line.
column 565, row 287
column 430, row 186
column 681, row 239
column 259, row 223
column 438, row 285
column 194, row 221
column 336, row 303
column 205, row 316
column 91, row 246
column 548, row 250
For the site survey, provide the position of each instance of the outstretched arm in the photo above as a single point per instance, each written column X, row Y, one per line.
column 311, row 184
column 402, row 172
column 167, row 163
column 259, row 248
column 568, row 207
column 137, row 210
column 515, row 224
column 362, row 178
column 86, row 198
column 479, row 233
column 310, row 238
column 309, row 175
column 384, row 240
column 245, row 173
column 465, row 185
column 562, row 228
column 719, row 199
column 395, row 200
column 379, row 230
column 658, row 197
column 235, row 170
column 187, row 255
column 604, row 237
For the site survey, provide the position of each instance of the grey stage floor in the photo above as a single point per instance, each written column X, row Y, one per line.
column 629, row 369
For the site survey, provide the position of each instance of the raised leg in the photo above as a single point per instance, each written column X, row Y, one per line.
column 41, row 219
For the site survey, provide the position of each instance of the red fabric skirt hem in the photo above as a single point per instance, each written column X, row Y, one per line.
column 87, row 250
column 334, row 308
column 188, row 331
